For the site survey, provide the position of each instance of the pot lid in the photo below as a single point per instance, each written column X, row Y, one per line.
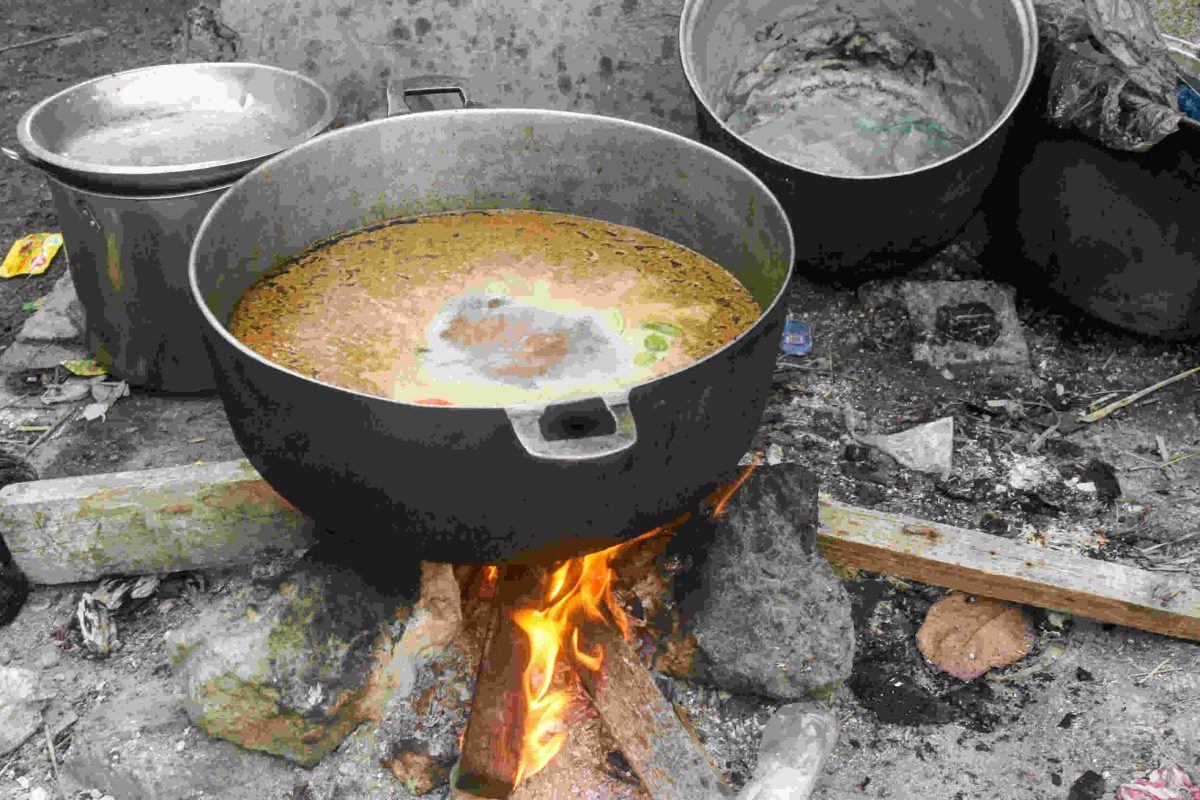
column 174, row 126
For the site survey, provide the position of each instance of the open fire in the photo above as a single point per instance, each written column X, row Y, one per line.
column 572, row 600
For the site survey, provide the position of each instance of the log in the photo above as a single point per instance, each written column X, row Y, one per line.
column 491, row 748
column 69, row 530
column 983, row 564
column 662, row 750
column 198, row 516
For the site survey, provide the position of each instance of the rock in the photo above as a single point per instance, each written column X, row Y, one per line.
column 1089, row 786
column 21, row 702
column 957, row 322
column 60, row 316
column 125, row 747
column 762, row 613
column 925, row 448
column 292, row 668
column 795, row 744
column 205, row 38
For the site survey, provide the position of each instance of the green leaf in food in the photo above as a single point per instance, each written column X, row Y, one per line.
column 665, row 328
column 644, row 359
column 655, row 343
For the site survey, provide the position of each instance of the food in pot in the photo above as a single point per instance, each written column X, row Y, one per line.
column 492, row 308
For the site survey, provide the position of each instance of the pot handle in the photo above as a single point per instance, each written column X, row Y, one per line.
column 527, row 421
column 15, row 156
column 421, row 90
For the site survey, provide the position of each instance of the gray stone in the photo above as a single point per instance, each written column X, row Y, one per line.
column 795, row 744
column 619, row 59
column 58, row 319
column 1005, row 348
column 21, row 703
column 764, row 612
column 127, row 747
column 22, row 355
column 293, row 668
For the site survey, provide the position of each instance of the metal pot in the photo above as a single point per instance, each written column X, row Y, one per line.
column 483, row 484
column 127, row 257
column 128, row 210
column 870, row 225
column 173, row 127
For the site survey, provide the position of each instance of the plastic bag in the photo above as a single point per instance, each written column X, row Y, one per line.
column 1112, row 78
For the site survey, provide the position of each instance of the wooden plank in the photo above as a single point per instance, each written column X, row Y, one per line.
column 198, row 516
column 204, row 516
column 491, row 748
column 663, row 752
column 979, row 563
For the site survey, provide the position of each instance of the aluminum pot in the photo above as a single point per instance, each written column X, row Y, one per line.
column 128, row 257
column 134, row 161
column 866, row 226
column 486, row 484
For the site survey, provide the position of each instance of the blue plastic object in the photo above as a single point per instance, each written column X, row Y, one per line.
column 1189, row 101
column 797, row 338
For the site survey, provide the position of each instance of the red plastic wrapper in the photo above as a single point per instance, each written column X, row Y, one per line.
column 1165, row 783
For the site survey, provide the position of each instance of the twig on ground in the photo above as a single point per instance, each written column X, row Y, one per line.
column 53, row 758
column 1133, row 398
column 39, row 40
column 50, row 432
column 1155, row 671
column 1166, row 462
column 1153, row 547
column 1162, row 447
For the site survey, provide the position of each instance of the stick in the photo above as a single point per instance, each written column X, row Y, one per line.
column 668, row 759
column 979, row 563
column 492, row 742
column 39, row 40
column 1133, row 398
column 53, row 759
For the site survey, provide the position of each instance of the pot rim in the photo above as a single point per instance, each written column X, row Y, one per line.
column 532, row 115
column 50, row 161
column 1028, row 21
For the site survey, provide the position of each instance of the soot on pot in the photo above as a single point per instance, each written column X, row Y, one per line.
column 852, row 94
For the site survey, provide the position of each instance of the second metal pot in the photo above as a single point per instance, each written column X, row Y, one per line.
column 128, row 261
column 858, row 226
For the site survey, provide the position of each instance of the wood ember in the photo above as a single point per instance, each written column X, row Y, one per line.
column 662, row 751
column 491, row 746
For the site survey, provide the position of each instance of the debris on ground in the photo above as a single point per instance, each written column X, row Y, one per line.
column 31, row 255
column 797, row 338
column 69, row 391
column 105, row 393
column 795, row 744
column 1168, row 782
column 965, row 636
column 97, row 626
column 925, row 448
column 84, row 367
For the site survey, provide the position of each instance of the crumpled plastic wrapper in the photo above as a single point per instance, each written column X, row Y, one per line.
column 1112, row 78
column 1165, row 783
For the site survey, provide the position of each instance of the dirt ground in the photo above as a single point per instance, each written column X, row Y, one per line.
column 1087, row 698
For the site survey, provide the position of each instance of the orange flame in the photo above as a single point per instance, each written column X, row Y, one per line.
column 578, row 590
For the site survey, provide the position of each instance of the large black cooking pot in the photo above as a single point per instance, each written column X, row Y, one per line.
column 870, row 225
column 480, row 484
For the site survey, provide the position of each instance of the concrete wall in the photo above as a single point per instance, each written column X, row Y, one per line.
column 615, row 57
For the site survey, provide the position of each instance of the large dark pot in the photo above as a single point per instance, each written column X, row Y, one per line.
column 865, row 226
column 485, row 485
column 1112, row 233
